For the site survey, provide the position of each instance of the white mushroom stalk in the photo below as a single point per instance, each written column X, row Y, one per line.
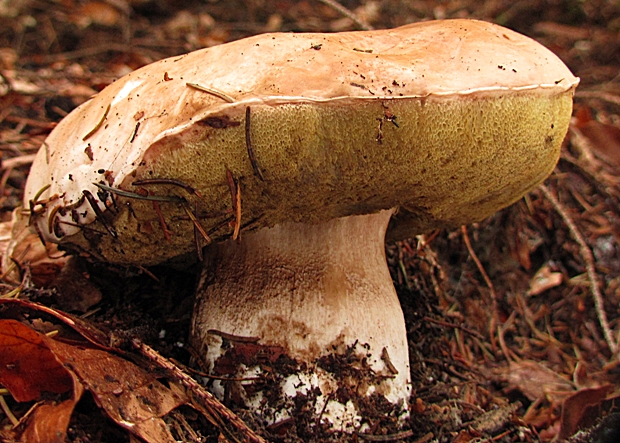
column 285, row 155
column 300, row 290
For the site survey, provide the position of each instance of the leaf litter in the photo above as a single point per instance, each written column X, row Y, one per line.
column 512, row 322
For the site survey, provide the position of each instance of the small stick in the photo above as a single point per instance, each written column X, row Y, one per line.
column 30, row 122
column 487, row 280
column 162, row 221
column 455, row 326
column 611, row 98
column 93, row 204
column 348, row 13
column 168, row 181
column 237, row 213
column 390, row 437
column 425, row 438
column 77, row 225
column 227, row 221
column 235, row 191
column 9, row 164
column 149, row 273
column 99, row 124
column 587, row 256
column 210, row 402
column 197, row 225
column 248, row 145
column 197, row 244
column 156, row 198
column 134, row 133
column 215, row 92
column 385, row 356
column 234, row 338
column 198, row 373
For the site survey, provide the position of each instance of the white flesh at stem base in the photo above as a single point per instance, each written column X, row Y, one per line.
column 312, row 291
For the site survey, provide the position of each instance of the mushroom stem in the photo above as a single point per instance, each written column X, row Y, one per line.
column 298, row 307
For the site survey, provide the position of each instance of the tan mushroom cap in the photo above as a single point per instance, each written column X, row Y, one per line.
column 446, row 120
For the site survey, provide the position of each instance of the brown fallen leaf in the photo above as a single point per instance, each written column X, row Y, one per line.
column 535, row 381
column 27, row 366
column 24, row 248
column 576, row 410
column 133, row 398
column 75, row 290
column 49, row 420
column 603, row 138
column 82, row 327
column 32, row 363
column 98, row 13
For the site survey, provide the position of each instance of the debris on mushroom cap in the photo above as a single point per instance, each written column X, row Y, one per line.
column 447, row 120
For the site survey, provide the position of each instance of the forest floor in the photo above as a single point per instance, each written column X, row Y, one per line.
column 513, row 322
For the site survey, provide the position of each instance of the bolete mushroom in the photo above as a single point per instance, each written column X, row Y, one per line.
column 291, row 154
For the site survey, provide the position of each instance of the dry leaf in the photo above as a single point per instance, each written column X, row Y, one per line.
column 97, row 13
column 82, row 327
column 27, row 366
column 133, row 398
column 536, row 381
column 603, row 138
column 576, row 407
column 49, row 420
column 25, row 248
column 32, row 363
column 544, row 279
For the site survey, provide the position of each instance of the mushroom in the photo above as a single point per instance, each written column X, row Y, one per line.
column 289, row 156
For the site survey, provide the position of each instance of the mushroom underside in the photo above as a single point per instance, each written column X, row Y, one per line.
column 449, row 161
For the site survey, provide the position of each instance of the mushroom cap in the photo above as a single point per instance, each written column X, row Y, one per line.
column 448, row 121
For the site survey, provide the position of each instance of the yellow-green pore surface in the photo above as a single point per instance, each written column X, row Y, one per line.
column 442, row 161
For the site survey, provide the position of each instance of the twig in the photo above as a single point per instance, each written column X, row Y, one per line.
column 235, row 193
column 234, row 338
column 162, row 221
column 99, row 213
column 167, row 181
column 426, row 437
column 30, row 122
column 487, row 280
column 611, row 98
column 198, row 231
column 89, row 52
column 12, row 163
column 211, row 403
column 389, row 437
column 15, row 162
column 249, row 147
column 452, row 325
column 347, row 13
column 162, row 198
column 588, row 258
